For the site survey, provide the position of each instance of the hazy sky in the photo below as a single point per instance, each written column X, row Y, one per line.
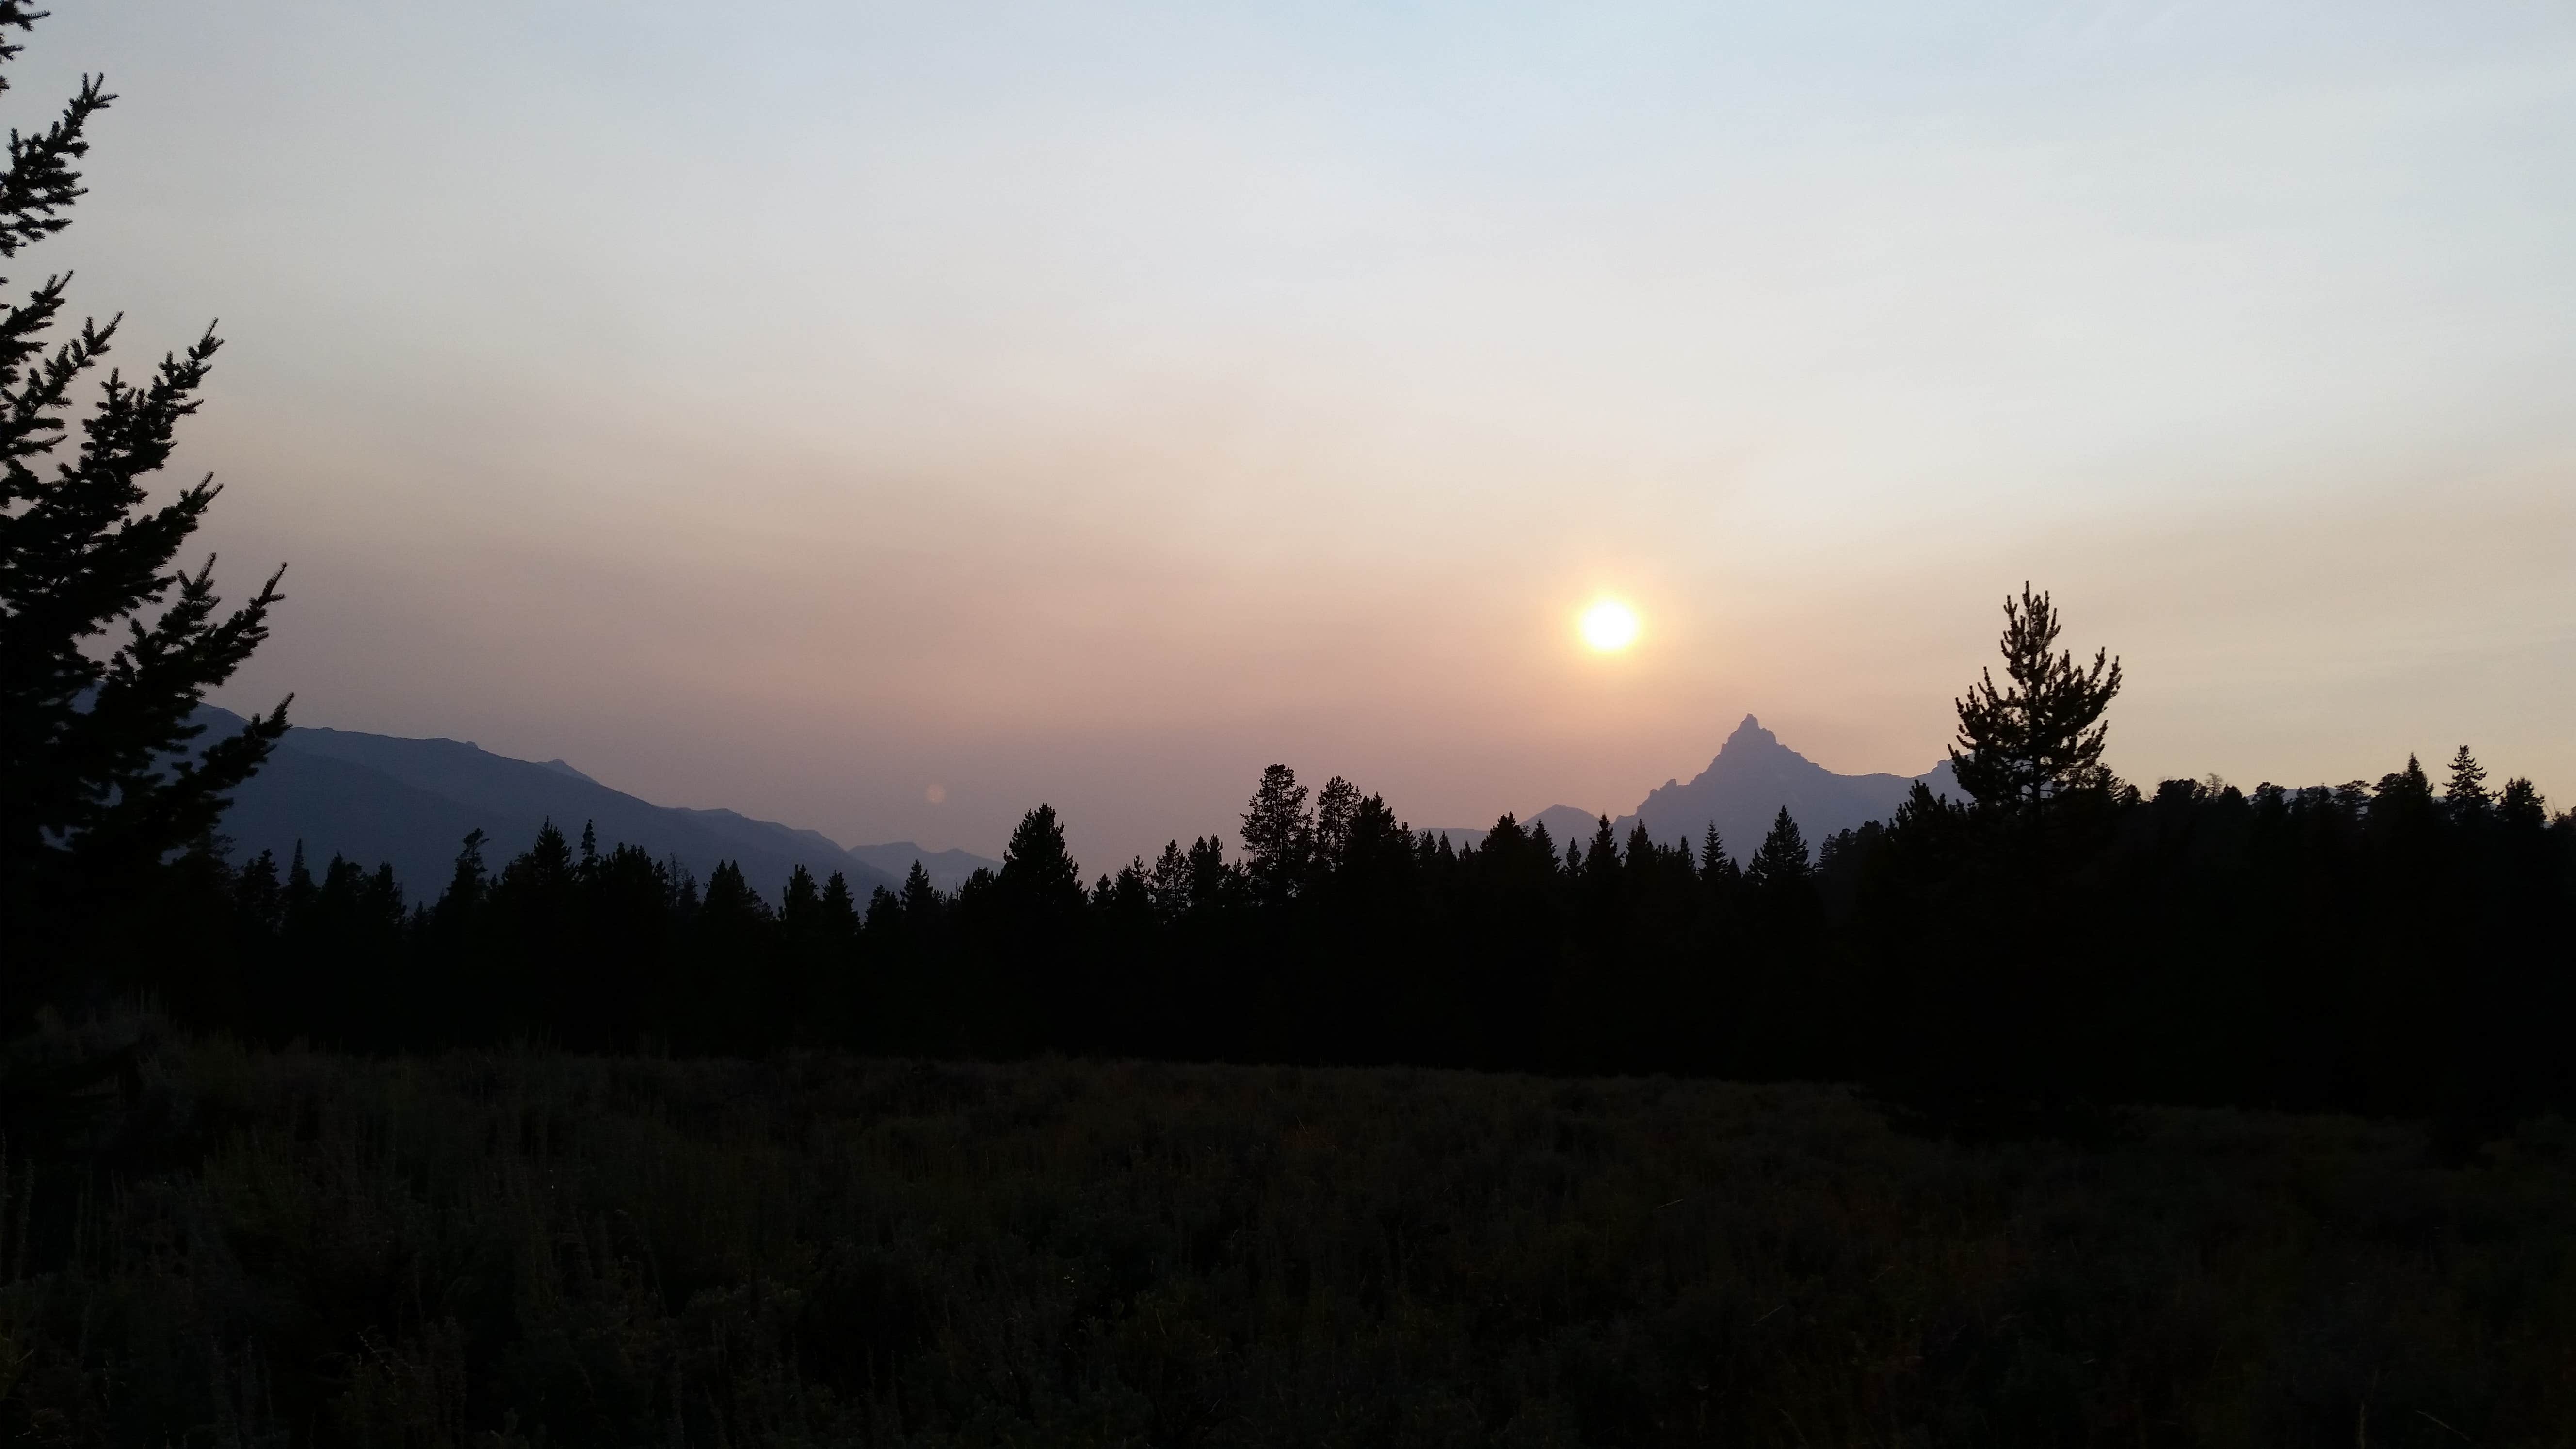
column 799, row 408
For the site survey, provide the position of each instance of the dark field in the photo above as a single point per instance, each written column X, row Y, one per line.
column 531, row 1249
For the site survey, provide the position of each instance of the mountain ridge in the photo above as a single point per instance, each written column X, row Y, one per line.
column 409, row 802
column 388, row 798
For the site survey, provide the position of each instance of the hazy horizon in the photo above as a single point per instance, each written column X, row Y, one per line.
column 881, row 420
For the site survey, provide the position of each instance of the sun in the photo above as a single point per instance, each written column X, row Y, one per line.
column 1609, row 626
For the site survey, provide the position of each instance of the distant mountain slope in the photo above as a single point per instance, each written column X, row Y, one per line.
column 370, row 817
column 1563, row 823
column 1753, row 777
column 377, row 798
column 947, row 869
column 739, row 829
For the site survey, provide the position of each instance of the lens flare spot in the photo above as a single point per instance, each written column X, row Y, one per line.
column 1609, row 626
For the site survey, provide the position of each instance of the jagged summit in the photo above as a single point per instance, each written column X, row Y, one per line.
column 1747, row 783
column 1751, row 740
column 1753, row 777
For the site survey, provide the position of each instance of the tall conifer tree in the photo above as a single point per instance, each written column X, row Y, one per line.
column 1782, row 861
column 107, row 644
column 1278, row 834
column 2040, row 735
column 1039, row 875
column 2466, row 793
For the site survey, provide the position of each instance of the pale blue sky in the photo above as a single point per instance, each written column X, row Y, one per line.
column 794, row 407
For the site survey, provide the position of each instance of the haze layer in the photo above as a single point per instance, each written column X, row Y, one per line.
column 885, row 418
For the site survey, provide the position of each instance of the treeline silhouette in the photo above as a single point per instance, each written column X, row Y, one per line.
column 2380, row 947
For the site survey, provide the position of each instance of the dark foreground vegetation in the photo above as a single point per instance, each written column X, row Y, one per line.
column 522, row 1248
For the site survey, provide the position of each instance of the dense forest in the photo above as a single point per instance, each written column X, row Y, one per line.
column 2394, row 946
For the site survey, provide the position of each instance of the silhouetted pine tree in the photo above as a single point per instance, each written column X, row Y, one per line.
column 1780, row 996
column 921, row 900
column 1037, row 939
column 2403, row 797
column 2519, row 805
column 819, row 929
column 1712, row 851
column 97, row 789
column 731, row 998
column 462, row 901
column 1337, row 808
column 1781, row 864
column 1039, row 878
column 344, row 942
column 837, row 913
column 1198, row 895
column 2466, row 794
column 1987, row 947
column 1215, row 884
column 1167, row 883
column 541, row 945
column 1373, row 938
column 628, row 976
column 2040, row 736
column 1278, row 835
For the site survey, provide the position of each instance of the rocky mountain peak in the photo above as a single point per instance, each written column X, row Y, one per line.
column 1750, row 738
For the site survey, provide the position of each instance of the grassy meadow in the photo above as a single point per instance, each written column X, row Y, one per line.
column 525, row 1249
